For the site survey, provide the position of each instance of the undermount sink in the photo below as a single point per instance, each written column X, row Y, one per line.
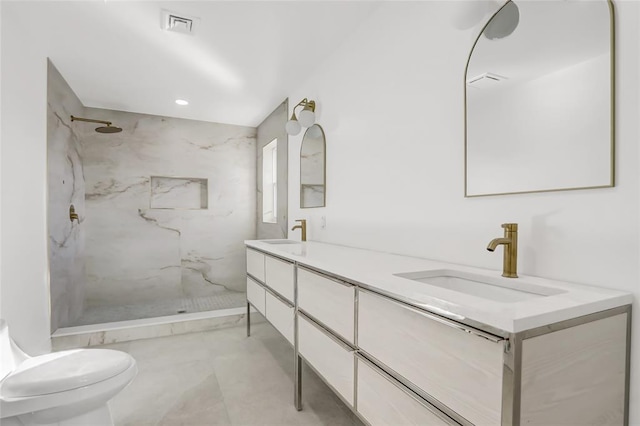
column 280, row 242
column 497, row 289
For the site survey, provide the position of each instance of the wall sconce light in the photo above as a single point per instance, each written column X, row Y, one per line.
column 307, row 117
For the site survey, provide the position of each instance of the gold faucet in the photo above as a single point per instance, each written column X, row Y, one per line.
column 303, row 227
column 510, row 242
column 72, row 214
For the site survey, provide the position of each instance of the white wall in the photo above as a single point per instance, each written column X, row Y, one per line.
column 0, row 164
column 24, row 285
column 391, row 103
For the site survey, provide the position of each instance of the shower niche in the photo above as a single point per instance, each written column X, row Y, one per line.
column 178, row 193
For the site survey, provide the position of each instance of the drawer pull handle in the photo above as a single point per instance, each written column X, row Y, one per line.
column 255, row 279
column 478, row 333
column 325, row 331
column 326, row 277
column 279, row 297
column 279, row 259
column 407, row 391
column 440, row 320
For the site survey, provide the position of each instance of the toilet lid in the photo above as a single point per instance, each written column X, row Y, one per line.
column 65, row 370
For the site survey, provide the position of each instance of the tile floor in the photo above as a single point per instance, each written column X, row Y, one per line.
column 222, row 378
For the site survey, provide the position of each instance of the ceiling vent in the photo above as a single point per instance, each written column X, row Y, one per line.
column 179, row 23
column 486, row 79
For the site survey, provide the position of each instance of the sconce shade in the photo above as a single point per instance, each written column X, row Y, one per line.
column 307, row 117
column 293, row 127
column 503, row 23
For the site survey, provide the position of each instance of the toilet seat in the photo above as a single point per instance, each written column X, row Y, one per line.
column 64, row 371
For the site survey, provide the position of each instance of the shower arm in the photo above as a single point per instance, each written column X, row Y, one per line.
column 90, row 120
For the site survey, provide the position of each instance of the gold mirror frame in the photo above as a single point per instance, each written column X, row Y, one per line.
column 324, row 169
column 611, row 118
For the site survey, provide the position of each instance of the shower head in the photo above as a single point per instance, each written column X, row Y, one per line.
column 108, row 129
column 103, row 129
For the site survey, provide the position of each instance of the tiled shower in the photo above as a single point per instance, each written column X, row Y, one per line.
column 164, row 207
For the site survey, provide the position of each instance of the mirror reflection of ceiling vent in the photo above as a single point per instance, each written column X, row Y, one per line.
column 178, row 23
column 486, row 79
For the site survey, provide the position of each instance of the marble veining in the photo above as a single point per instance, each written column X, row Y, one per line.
column 146, row 215
column 66, row 186
column 153, row 237
column 112, row 188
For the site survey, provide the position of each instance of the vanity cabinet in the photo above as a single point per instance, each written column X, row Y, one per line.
column 280, row 314
column 568, row 373
column 273, row 295
column 255, row 264
column 256, row 295
column 458, row 366
column 279, row 277
column 394, row 361
column 382, row 400
column 577, row 375
column 328, row 300
column 328, row 356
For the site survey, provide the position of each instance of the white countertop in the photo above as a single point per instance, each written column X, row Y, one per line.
column 375, row 270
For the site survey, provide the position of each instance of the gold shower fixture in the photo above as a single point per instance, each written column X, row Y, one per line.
column 307, row 117
column 103, row 129
column 72, row 214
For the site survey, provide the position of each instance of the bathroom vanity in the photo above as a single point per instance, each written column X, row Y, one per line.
column 404, row 340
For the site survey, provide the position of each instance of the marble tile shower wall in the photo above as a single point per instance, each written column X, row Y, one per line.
column 66, row 185
column 182, row 247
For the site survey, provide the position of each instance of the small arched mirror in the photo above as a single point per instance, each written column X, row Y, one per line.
column 539, row 99
column 312, row 168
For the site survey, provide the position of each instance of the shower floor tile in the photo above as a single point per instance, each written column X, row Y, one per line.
column 112, row 313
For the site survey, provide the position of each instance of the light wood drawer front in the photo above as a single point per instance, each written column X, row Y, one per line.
column 576, row 376
column 255, row 295
column 332, row 360
column 383, row 401
column 279, row 276
column 255, row 264
column 280, row 315
column 459, row 369
column 328, row 301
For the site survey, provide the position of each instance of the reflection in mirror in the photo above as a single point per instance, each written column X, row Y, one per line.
column 539, row 99
column 312, row 168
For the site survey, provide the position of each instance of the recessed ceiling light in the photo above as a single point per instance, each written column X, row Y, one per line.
column 182, row 102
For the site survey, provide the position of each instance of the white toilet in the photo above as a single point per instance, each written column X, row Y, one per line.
column 61, row 388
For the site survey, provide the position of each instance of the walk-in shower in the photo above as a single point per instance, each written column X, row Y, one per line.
column 160, row 214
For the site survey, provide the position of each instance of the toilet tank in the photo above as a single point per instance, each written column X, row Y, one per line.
column 10, row 354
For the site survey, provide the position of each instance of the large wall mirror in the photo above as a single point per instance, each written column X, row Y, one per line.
column 539, row 99
column 312, row 168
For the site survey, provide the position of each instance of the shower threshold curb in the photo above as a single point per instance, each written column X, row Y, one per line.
column 147, row 328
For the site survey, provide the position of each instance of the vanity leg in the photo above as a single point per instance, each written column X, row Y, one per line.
column 248, row 319
column 297, row 384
